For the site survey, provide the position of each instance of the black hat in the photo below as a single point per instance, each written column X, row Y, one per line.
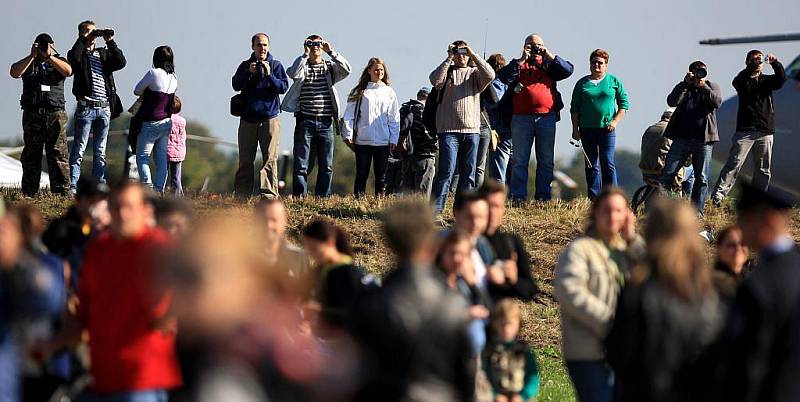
column 90, row 187
column 755, row 199
column 44, row 38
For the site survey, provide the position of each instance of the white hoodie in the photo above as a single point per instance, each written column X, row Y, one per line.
column 379, row 120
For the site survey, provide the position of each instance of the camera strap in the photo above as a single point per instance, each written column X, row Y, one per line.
column 357, row 114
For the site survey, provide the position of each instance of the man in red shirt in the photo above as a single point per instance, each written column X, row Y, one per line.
column 531, row 106
column 131, row 338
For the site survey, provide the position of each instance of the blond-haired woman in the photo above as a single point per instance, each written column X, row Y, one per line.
column 667, row 315
column 588, row 278
column 372, row 124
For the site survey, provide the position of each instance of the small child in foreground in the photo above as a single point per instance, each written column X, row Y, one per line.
column 509, row 363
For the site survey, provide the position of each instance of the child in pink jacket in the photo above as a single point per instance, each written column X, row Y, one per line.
column 176, row 147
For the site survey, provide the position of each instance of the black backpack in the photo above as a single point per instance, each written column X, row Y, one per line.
column 432, row 105
column 644, row 195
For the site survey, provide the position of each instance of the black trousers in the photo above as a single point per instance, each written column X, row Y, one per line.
column 378, row 157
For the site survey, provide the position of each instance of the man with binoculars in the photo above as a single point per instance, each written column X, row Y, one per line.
column 755, row 123
column 95, row 91
column 693, row 129
column 44, row 121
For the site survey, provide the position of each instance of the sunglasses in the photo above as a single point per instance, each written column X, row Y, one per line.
column 601, row 62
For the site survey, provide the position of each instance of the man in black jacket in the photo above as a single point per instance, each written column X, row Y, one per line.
column 755, row 123
column 414, row 328
column 96, row 93
column 419, row 166
column 765, row 323
column 508, row 248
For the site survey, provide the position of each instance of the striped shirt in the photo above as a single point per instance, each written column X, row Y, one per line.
column 98, row 89
column 315, row 96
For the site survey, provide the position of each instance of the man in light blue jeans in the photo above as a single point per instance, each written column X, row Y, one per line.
column 539, row 131
column 153, row 139
column 455, row 150
column 95, row 120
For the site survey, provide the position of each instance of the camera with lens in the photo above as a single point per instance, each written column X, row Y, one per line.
column 313, row 43
column 42, row 46
column 460, row 50
column 261, row 69
column 699, row 72
column 537, row 49
column 102, row 32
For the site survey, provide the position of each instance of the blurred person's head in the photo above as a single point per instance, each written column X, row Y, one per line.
column 422, row 94
column 454, row 252
column 174, row 215
column 325, row 242
column 271, row 218
column 409, row 231
column 763, row 216
column 504, row 320
column 31, row 225
column 11, row 240
column 675, row 250
column 131, row 213
column 89, row 192
column 471, row 212
column 731, row 251
column 495, row 193
column 609, row 213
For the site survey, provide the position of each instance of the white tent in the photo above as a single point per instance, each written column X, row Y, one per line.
column 11, row 173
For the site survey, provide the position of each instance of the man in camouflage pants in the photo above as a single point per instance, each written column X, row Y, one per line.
column 44, row 120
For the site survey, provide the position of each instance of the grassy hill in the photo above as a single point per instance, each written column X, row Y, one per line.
column 546, row 229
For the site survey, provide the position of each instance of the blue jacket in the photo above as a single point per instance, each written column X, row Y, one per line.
column 490, row 102
column 557, row 69
column 262, row 94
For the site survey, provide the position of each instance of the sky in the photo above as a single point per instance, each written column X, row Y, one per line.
column 650, row 43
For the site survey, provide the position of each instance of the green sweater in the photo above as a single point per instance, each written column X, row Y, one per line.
column 596, row 105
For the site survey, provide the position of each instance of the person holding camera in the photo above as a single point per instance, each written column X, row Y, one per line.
column 315, row 103
column 755, row 123
column 599, row 102
column 44, row 121
column 261, row 80
column 531, row 109
column 372, row 125
column 458, row 117
column 692, row 129
column 96, row 92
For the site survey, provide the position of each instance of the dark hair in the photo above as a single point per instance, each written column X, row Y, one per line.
column 491, row 186
column 82, row 26
column 497, row 61
column 365, row 78
column 724, row 233
column 466, row 197
column 696, row 64
column 753, row 53
column 459, row 42
column 163, row 58
column 313, row 37
column 176, row 104
column 605, row 193
column 324, row 230
column 599, row 53
column 124, row 185
column 167, row 206
column 407, row 227
column 253, row 39
column 31, row 224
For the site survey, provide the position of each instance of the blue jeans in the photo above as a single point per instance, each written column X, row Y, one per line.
column 454, row 149
column 316, row 132
column 484, row 140
column 537, row 130
column 593, row 380
column 700, row 152
column 599, row 146
column 156, row 395
column 153, row 139
column 498, row 158
column 95, row 121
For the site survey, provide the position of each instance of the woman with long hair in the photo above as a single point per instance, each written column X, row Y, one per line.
column 372, row 124
column 668, row 314
column 588, row 278
column 157, row 90
column 339, row 281
column 732, row 258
